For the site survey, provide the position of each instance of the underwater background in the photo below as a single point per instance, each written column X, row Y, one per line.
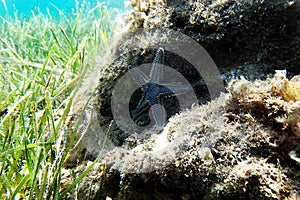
column 25, row 7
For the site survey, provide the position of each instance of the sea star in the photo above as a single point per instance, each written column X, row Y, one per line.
column 153, row 91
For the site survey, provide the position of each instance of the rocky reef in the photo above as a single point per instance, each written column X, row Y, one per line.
column 241, row 144
column 234, row 33
column 249, row 38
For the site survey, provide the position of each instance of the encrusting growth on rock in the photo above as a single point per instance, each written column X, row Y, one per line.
column 235, row 146
column 242, row 145
column 279, row 97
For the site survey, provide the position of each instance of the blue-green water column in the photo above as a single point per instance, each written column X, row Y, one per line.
column 25, row 7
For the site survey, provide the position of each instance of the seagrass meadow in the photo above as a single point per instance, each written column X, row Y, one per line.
column 42, row 61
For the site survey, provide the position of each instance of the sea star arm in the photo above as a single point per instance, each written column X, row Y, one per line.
column 155, row 71
column 138, row 75
column 159, row 116
column 175, row 88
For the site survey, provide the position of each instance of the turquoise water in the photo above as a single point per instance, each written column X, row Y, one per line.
column 25, row 7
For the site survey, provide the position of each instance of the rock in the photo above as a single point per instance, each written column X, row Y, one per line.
column 233, row 147
column 234, row 33
column 244, row 144
column 249, row 38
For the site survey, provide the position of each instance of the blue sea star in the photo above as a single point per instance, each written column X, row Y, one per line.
column 152, row 91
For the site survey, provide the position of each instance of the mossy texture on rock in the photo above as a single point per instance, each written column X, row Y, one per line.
column 233, row 32
column 243, row 145
column 235, row 147
column 149, row 43
column 281, row 99
column 250, row 38
column 225, row 149
column 250, row 27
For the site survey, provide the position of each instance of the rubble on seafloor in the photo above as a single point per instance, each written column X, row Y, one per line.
column 243, row 145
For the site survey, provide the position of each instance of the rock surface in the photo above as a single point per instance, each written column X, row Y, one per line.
column 265, row 33
column 249, row 38
column 243, row 145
